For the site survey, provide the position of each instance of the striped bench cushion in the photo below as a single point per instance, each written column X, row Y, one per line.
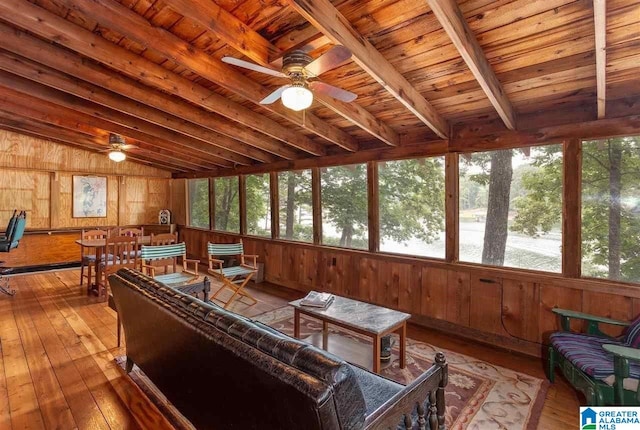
column 158, row 252
column 230, row 272
column 224, row 248
column 586, row 353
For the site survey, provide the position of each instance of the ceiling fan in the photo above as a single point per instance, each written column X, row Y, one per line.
column 117, row 146
column 303, row 72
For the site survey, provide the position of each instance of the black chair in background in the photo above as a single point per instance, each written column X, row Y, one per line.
column 11, row 239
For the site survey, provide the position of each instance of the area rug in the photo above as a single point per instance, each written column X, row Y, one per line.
column 479, row 396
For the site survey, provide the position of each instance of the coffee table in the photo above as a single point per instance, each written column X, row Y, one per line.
column 363, row 318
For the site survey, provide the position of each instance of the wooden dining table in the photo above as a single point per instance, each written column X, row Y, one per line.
column 99, row 245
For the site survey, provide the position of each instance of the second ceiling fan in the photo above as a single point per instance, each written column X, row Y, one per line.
column 303, row 72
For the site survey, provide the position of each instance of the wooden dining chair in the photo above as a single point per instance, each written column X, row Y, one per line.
column 163, row 239
column 120, row 252
column 88, row 255
column 132, row 231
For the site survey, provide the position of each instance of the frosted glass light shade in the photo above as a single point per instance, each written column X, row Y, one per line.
column 117, row 156
column 297, row 98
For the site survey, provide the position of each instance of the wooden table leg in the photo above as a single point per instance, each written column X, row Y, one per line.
column 325, row 336
column 296, row 323
column 403, row 345
column 376, row 354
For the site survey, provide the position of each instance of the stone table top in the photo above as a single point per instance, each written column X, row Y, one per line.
column 364, row 316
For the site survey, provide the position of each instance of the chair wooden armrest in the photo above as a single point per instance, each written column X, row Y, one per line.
column 216, row 261
column 251, row 256
column 150, row 268
column 593, row 321
column 186, row 261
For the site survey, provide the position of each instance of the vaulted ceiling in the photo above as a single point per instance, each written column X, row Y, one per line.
column 75, row 70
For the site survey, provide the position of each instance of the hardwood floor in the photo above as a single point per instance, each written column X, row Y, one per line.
column 57, row 369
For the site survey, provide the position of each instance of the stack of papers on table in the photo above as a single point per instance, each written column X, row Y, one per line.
column 317, row 300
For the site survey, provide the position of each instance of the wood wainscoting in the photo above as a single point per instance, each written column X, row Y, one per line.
column 506, row 307
column 44, row 248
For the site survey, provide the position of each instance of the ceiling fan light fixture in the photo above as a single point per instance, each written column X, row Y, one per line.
column 117, row 155
column 297, row 98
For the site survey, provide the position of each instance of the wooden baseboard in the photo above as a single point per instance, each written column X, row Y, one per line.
column 510, row 344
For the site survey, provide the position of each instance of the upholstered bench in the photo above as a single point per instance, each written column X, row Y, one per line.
column 595, row 363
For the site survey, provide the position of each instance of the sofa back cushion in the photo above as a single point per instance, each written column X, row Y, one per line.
column 223, row 370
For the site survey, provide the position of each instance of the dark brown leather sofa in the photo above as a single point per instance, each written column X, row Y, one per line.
column 225, row 371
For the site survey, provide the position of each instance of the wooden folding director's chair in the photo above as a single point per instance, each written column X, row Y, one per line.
column 234, row 278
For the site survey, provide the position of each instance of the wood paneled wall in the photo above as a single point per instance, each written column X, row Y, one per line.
column 31, row 189
column 505, row 307
column 37, row 176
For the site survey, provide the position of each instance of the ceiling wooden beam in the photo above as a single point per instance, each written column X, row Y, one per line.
column 117, row 17
column 425, row 149
column 600, row 21
column 228, row 28
column 215, row 143
column 54, row 134
column 67, row 62
column 362, row 118
column 455, row 25
column 74, row 122
column 235, row 33
column 326, row 18
column 112, row 120
column 52, row 27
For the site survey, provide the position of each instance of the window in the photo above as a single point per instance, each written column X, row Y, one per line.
column 198, row 190
column 295, row 211
column 344, row 206
column 412, row 213
column 227, row 208
column 258, row 205
column 611, row 209
column 511, row 208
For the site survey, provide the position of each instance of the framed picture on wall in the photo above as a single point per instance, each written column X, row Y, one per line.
column 89, row 196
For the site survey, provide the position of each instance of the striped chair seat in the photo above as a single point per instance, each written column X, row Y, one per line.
column 586, row 353
column 230, row 272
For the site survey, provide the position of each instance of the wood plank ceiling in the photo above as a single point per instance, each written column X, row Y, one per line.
column 75, row 70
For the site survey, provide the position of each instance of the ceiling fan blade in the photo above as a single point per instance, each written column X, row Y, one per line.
column 331, row 91
column 329, row 60
column 253, row 66
column 128, row 146
column 274, row 95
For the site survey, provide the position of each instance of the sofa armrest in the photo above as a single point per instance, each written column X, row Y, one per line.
column 593, row 321
column 400, row 408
